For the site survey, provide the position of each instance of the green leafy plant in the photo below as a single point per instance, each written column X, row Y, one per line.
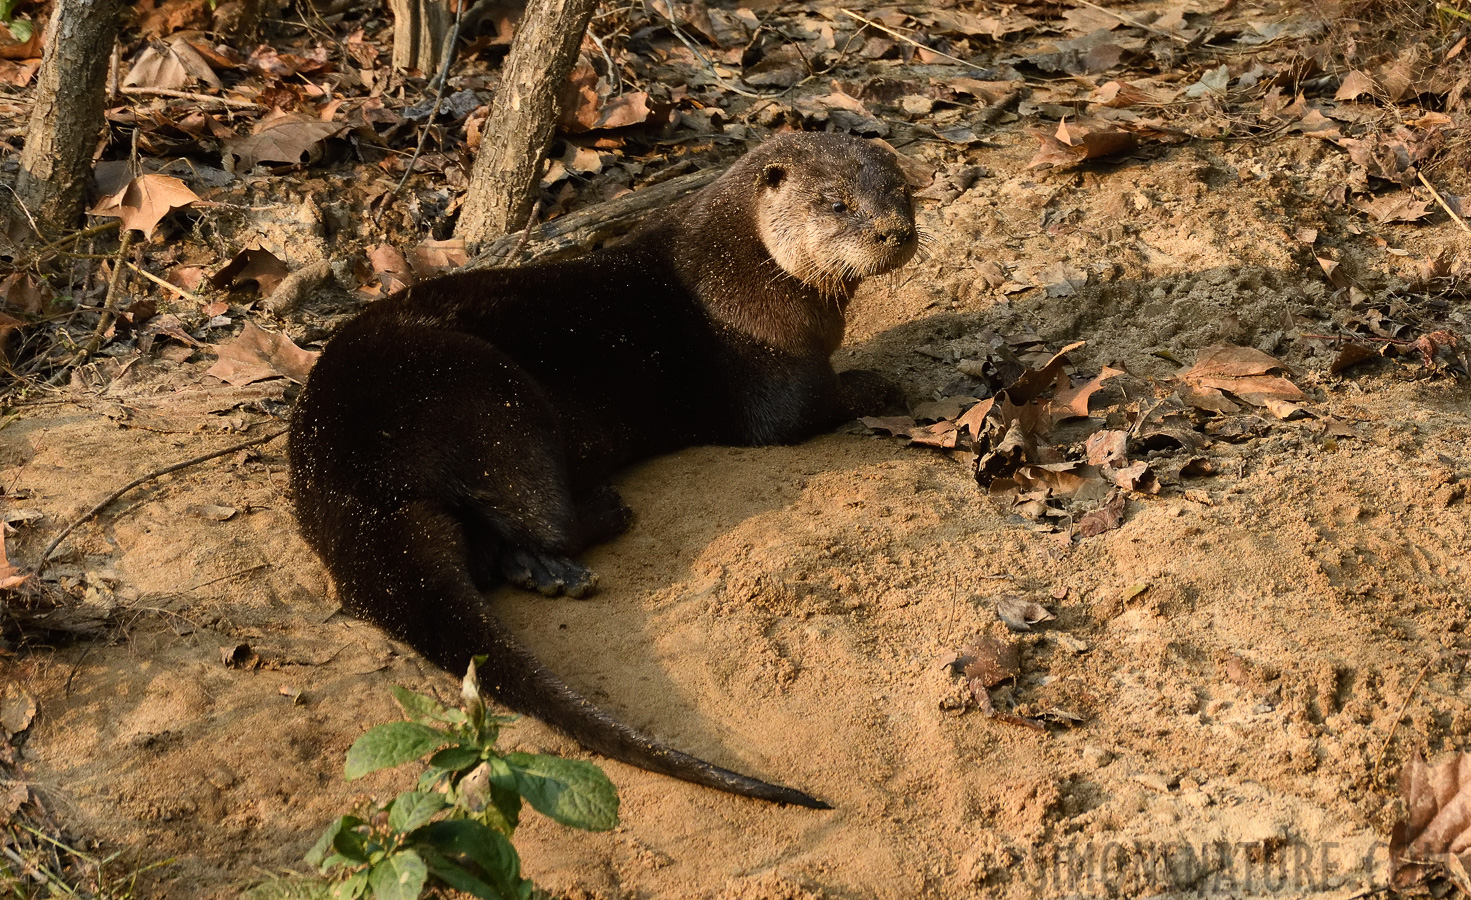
column 454, row 828
column 20, row 29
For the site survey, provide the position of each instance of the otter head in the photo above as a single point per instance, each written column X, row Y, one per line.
column 833, row 210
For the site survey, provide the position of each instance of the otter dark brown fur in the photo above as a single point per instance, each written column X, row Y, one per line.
column 461, row 432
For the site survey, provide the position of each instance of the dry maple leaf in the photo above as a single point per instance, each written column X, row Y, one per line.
column 1394, row 208
column 258, row 354
column 1437, row 830
column 1355, row 84
column 145, row 201
column 283, row 140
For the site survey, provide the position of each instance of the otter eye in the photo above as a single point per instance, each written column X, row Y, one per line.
column 839, row 206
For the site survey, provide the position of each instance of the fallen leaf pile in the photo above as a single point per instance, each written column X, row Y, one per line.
column 990, row 662
column 1157, row 437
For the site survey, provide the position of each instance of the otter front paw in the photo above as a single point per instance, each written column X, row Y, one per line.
column 864, row 392
column 547, row 574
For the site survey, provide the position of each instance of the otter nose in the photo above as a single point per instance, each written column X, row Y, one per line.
column 896, row 235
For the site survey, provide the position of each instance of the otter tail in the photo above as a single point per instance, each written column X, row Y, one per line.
column 427, row 597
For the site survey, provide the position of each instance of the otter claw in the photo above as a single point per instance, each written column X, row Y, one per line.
column 547, row 574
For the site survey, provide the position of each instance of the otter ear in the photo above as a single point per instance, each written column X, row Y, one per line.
column 773, row 175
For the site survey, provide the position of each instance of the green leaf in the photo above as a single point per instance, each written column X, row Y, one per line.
column 487, row 849
column 455, row 758
column 351, row 846
column 294, row 888
column 317, row 856
column 504, row 812
column 571, row 791
column 426, row 710
column 352, row 888
column 399, row 877
column 455, row 875
column 21, row 29
column 413, row 809
column 391, row 745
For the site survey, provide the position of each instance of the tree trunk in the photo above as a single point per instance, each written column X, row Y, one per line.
column 522, row 119
column 66, row 121
column 419, row 31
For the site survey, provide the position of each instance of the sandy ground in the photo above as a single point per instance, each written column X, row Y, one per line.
column 790, row 611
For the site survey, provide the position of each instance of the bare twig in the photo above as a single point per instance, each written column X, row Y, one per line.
column 441, row 80
column 908, row 40
column 188, row 95
column 144, row 479
column 1443, row 205
column 195, row 298
column 76, row 236
column 1394, row 726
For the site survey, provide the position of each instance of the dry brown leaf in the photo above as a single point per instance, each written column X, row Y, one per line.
column 433, row 257
column 1107, row 447
column 1438, row 818
column 391, row 267
column 1105, row 518
column 21, row 292
column 171, row 65
column 145, row 201
column 899, row 426
column 1133, row 477
column 1208, row 399
column 258, row 354
column 1073, row 402
column 941, row 434
column 17, row 709
column 11, row 576
column 1255, row 389
column 282, row 140
column 31, row 49
column 1020, row 614
column 991, row 661
column 1351, row 355
column 1399, row 207
column 11, row 800
column 1355, row 84
column 1242, row 371
column 1231, row 361
column 1075, row 143
column 1330, row 268
column 251, row 264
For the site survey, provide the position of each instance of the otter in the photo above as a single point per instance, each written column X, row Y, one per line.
column 461, row 432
